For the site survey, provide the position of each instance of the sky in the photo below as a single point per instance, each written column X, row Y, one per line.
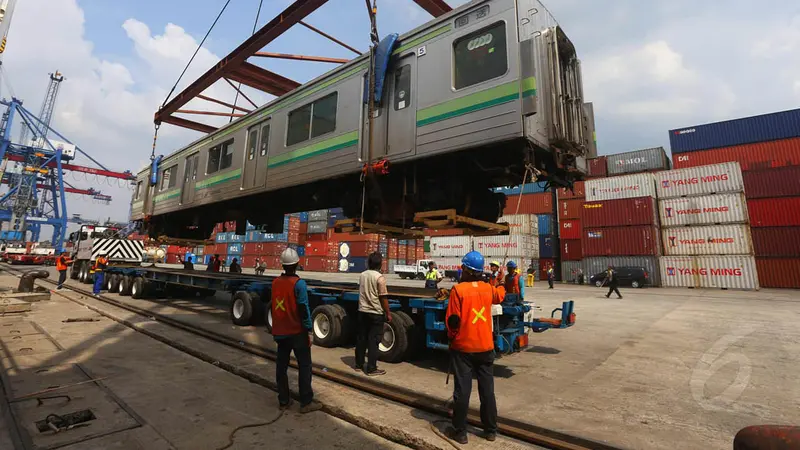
column 648, row 66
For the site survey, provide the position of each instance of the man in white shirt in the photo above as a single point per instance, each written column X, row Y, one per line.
column 373, row 312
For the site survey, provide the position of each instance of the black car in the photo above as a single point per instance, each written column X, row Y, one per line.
column 627, row 276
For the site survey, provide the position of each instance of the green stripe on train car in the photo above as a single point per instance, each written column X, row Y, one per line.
column 167, row 195
column 426, row 37
column 137, row 205
column 217, row 179
column 328, row 145
column 528, row 87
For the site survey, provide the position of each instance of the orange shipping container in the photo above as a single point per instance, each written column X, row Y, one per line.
column 578, row 191
column 541, row 203
column 761, row 155
column 570, row 209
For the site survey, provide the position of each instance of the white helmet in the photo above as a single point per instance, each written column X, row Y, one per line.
column 289, row 257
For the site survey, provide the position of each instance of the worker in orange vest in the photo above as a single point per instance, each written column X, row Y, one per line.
column 496, row 277
column 98, row 268
column 469, row 328
column 62, row 264
column 291, row 329
column 514, row 283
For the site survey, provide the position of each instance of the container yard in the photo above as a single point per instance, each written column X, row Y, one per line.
column 345, row 181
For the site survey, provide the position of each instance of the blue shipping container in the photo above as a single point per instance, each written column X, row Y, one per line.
column 354, row 265
column 747, row 130
column 303, row 217
column 333, row 217
column 301, row 250
column 336, row 210
column 235, row 249
column 235, row 237
column 250, row 226
column 271, row 237
column 207, row 259
column 222, row 238
column 546, row 247
column 530, row 188
column 253, row 236
column 189, row 256
column 546, row 225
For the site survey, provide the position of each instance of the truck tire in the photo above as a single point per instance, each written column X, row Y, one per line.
column 124, row 285
column 241, row 309
column 75, row 270
column 259, row 312
column 346, row 329
column 113, row 282
column 326, row 324
column 395, row 338
column 138, row 288
column 268, row 316
column 83, row 273
column 416, row 334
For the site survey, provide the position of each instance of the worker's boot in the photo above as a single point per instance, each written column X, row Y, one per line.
column 460, row 437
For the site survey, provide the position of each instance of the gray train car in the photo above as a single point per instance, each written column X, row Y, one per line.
column 472, row 98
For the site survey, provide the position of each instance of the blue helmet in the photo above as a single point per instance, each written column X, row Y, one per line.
column 473, row 261
column 511, row 265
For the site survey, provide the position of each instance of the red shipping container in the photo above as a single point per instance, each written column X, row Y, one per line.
column 621, row 212
column 774, row 212
column 420, row 253
column 544, row 265
column 569, row 209
column 571, row 250
column 173, row 258
column 293, row 237
column 541, row 203
column 411, row 253
column 294, row 224
column 273, row 248
column 273, row 262
column 219, row 228
column 301, row 239
column 761, row 155
column 248, row 261
column 781, row 182
column 318, row 263
column 173, row 249
column 303, row 228
column 446, row 232
column 316, row 237
column 778, row 273
column 782, row 242
column 570, row 229
column 621, row 241
column 385, row 266
column 317, row 248
column 598, row 167
column 579, row 191
column 230, row 225
column 392, row 252
column 362, row 249
column 252, row 248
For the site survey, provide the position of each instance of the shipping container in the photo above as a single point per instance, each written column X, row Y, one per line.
column 570, row 229
column 781, row 182
column 701, row 180
column 570, row 271
column 450, row 263
column 729, row 272
column 703, row 210
column 529, row 188
column 219, row 227
column 252, row 248
column 757, row 156
column 392, row 264
column 320, row 264
column 707, row 240
column 303, row 216
column 544, row 265
column 446, row 246
column 546, row 224
column 293, row 237
column 357, row 249
column 521, row 223
column 321, row 248
column 774, row 212
column 443, row 232
column 411, row 253
column 571, row 249
column 628, row 186
column 274, row 248
column 746, row 130
column 253, row 236
column 530, row 204
column 317, row 227
column 781, row 242
column 248, row 261
column 598, row 167
column 235, row 237
column 547, row 246
column 234, row 249
column 778, row 273
column 578, row 191
column 512, row 245
column 273, row 262
column 621, row 241
column 229, row 226
column 596, row 265
column 644, row 160
column 352, row 265
column 222, row 238
column 617, row 213
column 273, row 237
column 301, row 250
column 318, row 215
column 570, row 209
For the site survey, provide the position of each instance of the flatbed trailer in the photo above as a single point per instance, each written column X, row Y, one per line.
column 418, row 317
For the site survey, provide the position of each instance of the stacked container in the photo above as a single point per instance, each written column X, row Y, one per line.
column 570, row 229
column 447, row 251
column 620, row 224
column 645, row 160
column 705, row 230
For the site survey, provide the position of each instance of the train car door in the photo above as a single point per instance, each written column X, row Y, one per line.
column 255, row 162
column 189, row 178
column 402, row 106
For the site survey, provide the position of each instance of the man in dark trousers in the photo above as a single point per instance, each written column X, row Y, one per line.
column 551, row 276
column 62, row 264
column 373, row 312
column 469, row 328
column 291, row 329
column 613, row 282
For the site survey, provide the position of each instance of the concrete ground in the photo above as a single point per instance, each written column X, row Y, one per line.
column 660, row 368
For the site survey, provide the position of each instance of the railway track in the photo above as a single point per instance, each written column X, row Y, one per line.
column 511, row 428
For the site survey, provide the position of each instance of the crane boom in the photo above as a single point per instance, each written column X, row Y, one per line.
column 6, row 11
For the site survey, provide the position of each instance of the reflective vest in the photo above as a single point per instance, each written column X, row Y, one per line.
column 496, row 278
column 99, row 265
column 432, row 275
column 61, row 263
column 285, row 316
column 550, row 272
column 472, row 302
column 512, row 283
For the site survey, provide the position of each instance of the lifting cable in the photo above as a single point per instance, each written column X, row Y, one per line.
column 255, row 24
column 157, row 125
column 372, row 10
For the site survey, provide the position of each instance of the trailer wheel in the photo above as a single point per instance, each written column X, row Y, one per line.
column 113, row 282
column 415, row 334
column 83, row 273
column 346, row 327
column 124, row 285
column 241, row 309
column 395, row 338
column 75, row 271
column 326, row 324
column 138, row 288
column 259, row 313
column 268, row 316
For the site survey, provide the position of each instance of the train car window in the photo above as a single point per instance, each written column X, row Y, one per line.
column 324, row 115
column 220, row 157
column 480, row 56
column 226, row 160
column 138, row 190
column 213, row 159
column 252, row 143
column 299, row 125
column 168, row 179
column 264, row 139
column 402, row 87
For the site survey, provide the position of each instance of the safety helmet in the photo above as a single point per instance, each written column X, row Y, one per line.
column 289, row 257
column 511, row 265
column 494, row 263
column 473, row 261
